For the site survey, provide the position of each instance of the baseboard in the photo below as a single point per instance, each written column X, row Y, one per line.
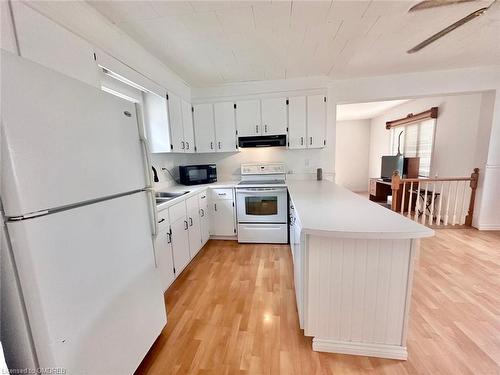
column 228, row 238
column 360, row 348
column 488, row 226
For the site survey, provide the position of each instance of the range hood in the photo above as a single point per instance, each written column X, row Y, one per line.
column 263, row 141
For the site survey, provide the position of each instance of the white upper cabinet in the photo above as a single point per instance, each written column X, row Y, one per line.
column 49, row 44
column 175, row 121
column 204, row 127
column 297, row 122
column 156, row 120
column 187, row 126
column 274, row 119
column 225, row 127
column 248, row 118
column 316, row 121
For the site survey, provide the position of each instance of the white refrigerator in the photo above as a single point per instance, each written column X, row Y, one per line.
column 80, row 290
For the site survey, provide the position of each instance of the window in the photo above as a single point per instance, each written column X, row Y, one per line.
column 120, row 88
column 416, row 140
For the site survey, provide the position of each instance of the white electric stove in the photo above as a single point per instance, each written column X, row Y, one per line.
column 261, row 203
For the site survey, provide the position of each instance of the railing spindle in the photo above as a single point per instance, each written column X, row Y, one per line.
column 462, row 209
column 440, row 204
column 433, row 196
column 454, row 220
column 417, row 203
column 403, row 199
column 409, row 199
column 448, row 198
column 424, row 203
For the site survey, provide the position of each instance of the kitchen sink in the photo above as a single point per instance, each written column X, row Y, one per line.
column 162, row 197
column 164, row 194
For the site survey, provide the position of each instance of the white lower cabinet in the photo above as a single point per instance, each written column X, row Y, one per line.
column 180, row 236
column 194, row 225
column 183, row 229
column 164, row 259
column 222, row 212
column 204, row 217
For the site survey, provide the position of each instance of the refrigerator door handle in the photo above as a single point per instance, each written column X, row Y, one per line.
column 145, row 145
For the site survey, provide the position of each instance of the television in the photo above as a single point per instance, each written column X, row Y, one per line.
column 391, row 164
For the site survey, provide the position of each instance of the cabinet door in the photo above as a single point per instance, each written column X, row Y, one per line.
column 180, row 244
column 274, row 119
column 187, row 126
column 225, row 127
column 316, row 121
column 204, row 127
column 175, row 121
column 222, row 219
column 45, row 42
column 193, row 217
column 204, row 217
column 156, row 121
column 248, row 118
column 164, row 259
column 297, row 122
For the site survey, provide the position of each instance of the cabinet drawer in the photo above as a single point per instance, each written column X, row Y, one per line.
column 203, row 199
column 222, row 193
column 163, row 222
column 177, row 211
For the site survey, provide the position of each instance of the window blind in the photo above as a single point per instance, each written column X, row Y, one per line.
column 417, row 140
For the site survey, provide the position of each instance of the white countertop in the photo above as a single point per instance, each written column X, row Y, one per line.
column 326, row 209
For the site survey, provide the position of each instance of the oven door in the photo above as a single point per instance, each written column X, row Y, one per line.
column 261, row 205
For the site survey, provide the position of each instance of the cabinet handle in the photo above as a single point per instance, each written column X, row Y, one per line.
column 161, row 221
column 203, row 196
column 215, row 206
column 302, row 141
column 310, row 140
column 187, row 145
column 202, row 212
column 190, row 221
column 211, row 145
column 183, row 145
column 186, row 226
column 265, row 128
column 256, row 128
column 169, row 238
column 219, row 145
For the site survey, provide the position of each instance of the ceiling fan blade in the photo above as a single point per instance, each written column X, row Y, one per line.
column 448, row 29
column 426, row 4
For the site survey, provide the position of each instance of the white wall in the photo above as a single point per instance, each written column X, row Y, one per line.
column 351, row 154
column 457, row 128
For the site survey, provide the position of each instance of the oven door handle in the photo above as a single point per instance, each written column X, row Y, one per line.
column 260, row 191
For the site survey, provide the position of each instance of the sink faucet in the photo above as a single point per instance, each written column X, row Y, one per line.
column 155, row 177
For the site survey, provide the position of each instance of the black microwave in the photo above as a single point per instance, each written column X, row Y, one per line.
column 197, row 174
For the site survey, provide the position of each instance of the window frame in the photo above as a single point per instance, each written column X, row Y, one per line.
column 395, row 130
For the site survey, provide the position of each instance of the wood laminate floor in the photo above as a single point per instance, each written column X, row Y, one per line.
column 233, row 311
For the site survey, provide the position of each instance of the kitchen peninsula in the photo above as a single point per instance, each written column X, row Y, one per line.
column 353, row 270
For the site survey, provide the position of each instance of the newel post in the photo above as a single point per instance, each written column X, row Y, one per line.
column 395, row 182
column 473, row 185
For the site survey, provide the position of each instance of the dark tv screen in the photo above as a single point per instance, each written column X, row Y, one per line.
column 391, row 164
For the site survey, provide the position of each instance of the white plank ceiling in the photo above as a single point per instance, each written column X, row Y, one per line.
column 214, row 42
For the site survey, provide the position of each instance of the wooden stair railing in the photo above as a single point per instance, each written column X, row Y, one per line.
column 424, row 199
